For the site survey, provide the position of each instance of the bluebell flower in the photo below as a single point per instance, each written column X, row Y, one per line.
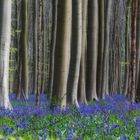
column 136, row 138
column 24, row 124
column 79, row 138
column 137, row 123
column 6, row 129
column 123, row 137
column 59, row 133
column 12, row 131
column 19, row 124
column 114, row 126
column 70, row 134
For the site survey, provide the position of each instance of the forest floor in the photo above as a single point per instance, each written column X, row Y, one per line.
column 109, row 119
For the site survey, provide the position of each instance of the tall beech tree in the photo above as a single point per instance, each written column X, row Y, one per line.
column 5, row 39
column 39, row 49
column 24, row 43
column 62, row 52
column 92, row 50
column 127, row 45
column 105, row 70
column 82, row 76
column 76, row 50
column 53, row 44
column 132, row 76
column 22, row 85
column 101, row 46
column 138, row 56
column 35, row 42
column 18, row 71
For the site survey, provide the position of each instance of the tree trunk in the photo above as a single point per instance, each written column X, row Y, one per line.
column 92, row 50
column 18, row 72
column 127, row 46
column 76, row 49
column 39, row 53
column 138, row 57
column 43, row 49
column 53, row 43
column 132, row 70
column 101, row 47
column 35, row 42
column 82, row 77
column 62, row 52
column 24, row 33
column 105, row 70
column 5, row 38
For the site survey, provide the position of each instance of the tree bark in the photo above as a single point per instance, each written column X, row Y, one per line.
column 92, row 50
column 138, row 57
column 35, row 42
column 62, row 52
column 101, row 47
column 53, row 43
column 24, row 58
column 132, row 70
column 127, row 46
column 105, row 72
column 39, row 49
column 5, row 38
column 82, row 77
column 76, row 49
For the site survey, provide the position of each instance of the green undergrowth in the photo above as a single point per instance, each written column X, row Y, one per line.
column 101, row 121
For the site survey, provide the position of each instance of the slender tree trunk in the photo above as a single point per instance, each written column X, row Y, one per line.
column 24, row 32
column 43, row 46
column 115, row 47
column 105, row 71
column 132, row 77
column 101, row 47
column 35, row 42
column 53, row 43
column 62, row 52
column 82, row 77
column 76, row 49
column 39, row 49
column 5, row 38
column 18, row 90
column 138, row 56
column 18, row 83
column 138, row 90
column 92, row 50
column 127, row 46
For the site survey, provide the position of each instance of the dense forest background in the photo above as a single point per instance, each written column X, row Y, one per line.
column 76, row 51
